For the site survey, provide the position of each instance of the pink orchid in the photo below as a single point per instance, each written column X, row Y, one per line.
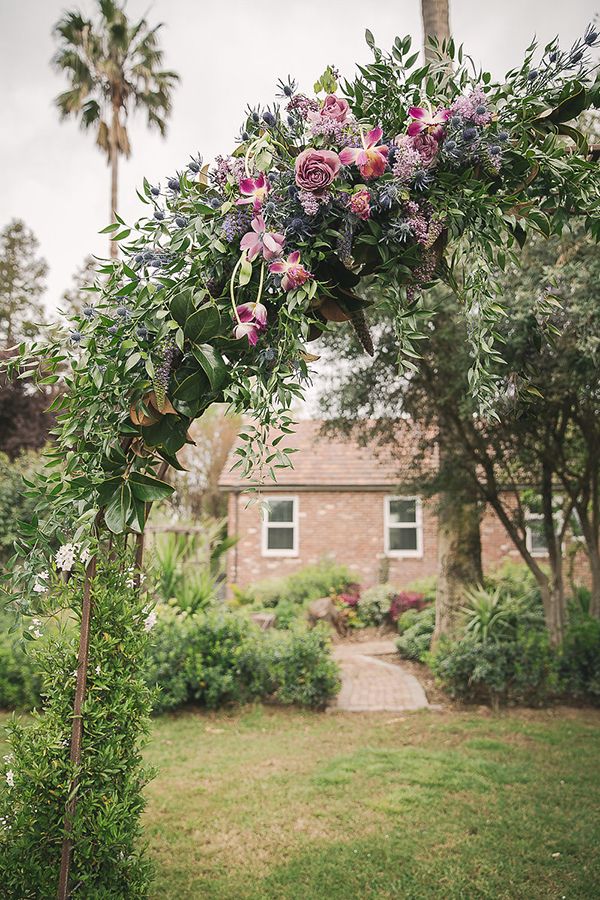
column 251, row 330
column 371, row 159
column 248, row 312
column 426, row 120
column 294, row 274
column 259, row 240
column 254, row 191
column 251, row 320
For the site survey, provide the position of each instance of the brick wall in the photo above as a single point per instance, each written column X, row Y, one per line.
column 348, row 526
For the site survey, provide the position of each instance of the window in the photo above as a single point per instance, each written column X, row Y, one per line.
column 280, row 527
column 534, row 533
column 403, row 523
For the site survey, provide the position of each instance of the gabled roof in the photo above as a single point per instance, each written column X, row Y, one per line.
column 335, row 461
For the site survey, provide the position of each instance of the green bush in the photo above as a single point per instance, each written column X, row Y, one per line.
column 416, row 628
column 20, row 685
column 304, row 672
column 217, row 657
column 309, row 583
column 579, row 656
column 14, row 505
column 518, row 671
column 374, row 604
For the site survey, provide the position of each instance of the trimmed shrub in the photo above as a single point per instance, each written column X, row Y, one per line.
column 416, row 628
column 519, row 671
column 218, row 657
column 304, row 672
column 309, row 583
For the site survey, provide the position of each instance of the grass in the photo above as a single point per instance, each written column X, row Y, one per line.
column 264, row 803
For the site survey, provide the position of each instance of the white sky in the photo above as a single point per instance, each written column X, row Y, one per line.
column 228, row 53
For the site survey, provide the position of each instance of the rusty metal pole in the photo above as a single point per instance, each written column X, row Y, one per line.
column 77, row 729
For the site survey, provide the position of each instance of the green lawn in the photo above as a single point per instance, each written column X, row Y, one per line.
column 265, row 803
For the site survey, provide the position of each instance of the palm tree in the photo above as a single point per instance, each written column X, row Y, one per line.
column 436, row 23
column 114, row 67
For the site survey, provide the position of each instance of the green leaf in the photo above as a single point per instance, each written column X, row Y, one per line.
column 118, row 510
column 202, row 325
column 146, row 488
column 182, row 306
column 213, row 364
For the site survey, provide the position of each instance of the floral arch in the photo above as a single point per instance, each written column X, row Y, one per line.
column 403, row 176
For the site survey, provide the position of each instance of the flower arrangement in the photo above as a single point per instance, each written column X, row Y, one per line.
column 405, row 175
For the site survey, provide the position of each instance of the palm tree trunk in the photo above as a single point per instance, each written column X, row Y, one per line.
column 436, row 23
column 114, row 173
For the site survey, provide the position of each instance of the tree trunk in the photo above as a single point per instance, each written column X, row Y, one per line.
column 436, row 23
column 459, row 548
column 553, row 599
column 114, row 174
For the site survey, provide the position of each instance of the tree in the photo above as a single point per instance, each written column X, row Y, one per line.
column 81, row 292
column 113, row 66
column 22, row 285
column 541, row 453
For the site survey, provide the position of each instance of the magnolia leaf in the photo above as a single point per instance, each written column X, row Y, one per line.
column 202, row 325
column 213, row 365
column 118, row 510
column 146, row 488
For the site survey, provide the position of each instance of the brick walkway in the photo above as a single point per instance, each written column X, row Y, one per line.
column 373, row 685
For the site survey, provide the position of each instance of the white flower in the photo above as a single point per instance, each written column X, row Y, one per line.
column 97, row 670
column 85, row 556
column 10, row 778
column 65, row 556
column 44, row 576
column 40, row 588
column 150, row 621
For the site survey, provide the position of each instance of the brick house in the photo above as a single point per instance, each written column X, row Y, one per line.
column 342, row 501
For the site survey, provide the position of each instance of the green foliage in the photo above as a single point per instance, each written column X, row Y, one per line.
column 108, row 858
column 304, row 672
column 217, row 657
column 187, row 568
column 416, row 630
column 20, row 684
column 486, row 618
column 579, row 657
column 14, row 504
column 22, row 284
column 374, row 604
column 309, row 583
column 517, row 671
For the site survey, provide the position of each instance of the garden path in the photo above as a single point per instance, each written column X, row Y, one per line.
column 370, row 684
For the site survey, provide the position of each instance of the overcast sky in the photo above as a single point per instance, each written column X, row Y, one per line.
column 228, row 53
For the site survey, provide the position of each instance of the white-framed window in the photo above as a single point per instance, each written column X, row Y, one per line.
column 535, row 537
column 280, row 535
column 403, row 526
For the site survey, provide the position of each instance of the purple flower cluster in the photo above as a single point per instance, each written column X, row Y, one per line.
column 472, row 108
column 406, row 159
column 235, row 224
column 226, row 166
column 302, row 105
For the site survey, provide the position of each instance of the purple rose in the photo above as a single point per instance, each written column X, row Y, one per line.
column 316, row 169
column 427, row 147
